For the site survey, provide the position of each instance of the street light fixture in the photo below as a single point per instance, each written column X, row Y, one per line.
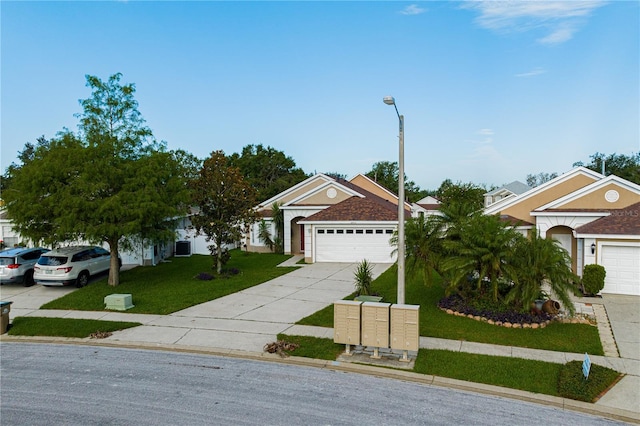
column 389, row 100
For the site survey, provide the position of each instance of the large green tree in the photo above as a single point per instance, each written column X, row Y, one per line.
column 540, row 178
column 111, row 182
column 387, row 174
column 225, row 202
column 460, row 199
column 268, row 170
column 624, row 166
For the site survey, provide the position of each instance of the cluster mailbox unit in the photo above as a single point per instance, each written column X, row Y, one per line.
column 377, row 325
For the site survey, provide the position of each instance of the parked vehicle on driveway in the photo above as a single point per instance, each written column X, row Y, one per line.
column 71, row 265
column 16, row 264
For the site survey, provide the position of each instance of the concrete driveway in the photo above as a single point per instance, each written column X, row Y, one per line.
column 624, row 317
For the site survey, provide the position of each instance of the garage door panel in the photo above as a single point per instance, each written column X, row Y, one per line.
column 622, row 267
column 353, row 246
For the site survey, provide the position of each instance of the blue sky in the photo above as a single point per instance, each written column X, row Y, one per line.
column 490, row 91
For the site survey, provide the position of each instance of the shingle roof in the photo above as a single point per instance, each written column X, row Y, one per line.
column 371, row 209
column 515, row 187
column 430, row 206
column 514, row 221
column 624, row 221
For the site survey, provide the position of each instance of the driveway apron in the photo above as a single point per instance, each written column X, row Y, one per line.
column 249, row 319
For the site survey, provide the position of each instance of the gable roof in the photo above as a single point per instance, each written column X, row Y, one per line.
column 618, row 181
column 299, row 200
column 380, row 190
column 356, row 209
column 499, row 206
column 515, row 187
column 625, row 221
column 289, row 191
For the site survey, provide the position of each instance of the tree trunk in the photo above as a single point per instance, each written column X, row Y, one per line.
column 114, row 266
column 218, row 257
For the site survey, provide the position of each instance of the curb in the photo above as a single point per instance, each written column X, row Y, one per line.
column 497, row 391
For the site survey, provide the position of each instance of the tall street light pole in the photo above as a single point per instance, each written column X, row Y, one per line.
column 389, row 100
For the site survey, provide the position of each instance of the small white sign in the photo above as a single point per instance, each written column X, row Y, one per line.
column 586, row 366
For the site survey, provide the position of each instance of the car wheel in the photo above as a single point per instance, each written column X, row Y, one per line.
column 83, row 279
column 28, row 279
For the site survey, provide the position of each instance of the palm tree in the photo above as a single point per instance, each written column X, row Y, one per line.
column 264, row 234
column 424, row 250
column 278, row 220
column 480, row 250
column 540, row 261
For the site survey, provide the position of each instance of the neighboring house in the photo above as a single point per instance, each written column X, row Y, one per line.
column 508, row 191
column 428, row 206
column 140, row 254
column 8, row 237
column 334, row 220
column 189, row 241
column 595, row 218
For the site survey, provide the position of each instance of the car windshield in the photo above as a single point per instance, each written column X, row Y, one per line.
column 5, row 261
column 52, row 260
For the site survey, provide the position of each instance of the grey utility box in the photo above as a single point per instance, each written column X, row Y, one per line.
column 346, row 323
column 375, row 325
column 118, row 302
column 405, row 328
column 5, row 308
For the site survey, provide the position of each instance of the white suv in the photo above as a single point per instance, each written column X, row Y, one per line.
column 71, row 265
column 16, row 264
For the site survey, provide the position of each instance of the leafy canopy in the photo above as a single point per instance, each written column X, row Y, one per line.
column 387, row 174
column 109, row 183
column 268, row 170
column 225, row 203
column 624, row 166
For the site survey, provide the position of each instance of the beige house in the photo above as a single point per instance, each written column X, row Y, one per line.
column 334, row 220
column 595, row 218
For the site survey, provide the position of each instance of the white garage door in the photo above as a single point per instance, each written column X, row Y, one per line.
column 354, row 245
column 622, row 267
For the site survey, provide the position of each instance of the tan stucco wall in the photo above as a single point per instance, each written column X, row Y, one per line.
column 365, row 183
column 321, row 199
column 596, row 200
column 302, row 190
column 522, row 209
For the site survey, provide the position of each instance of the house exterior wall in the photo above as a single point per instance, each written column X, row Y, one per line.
column 323, row 198
column 601, row 197
column 523, row 209
column 289, row 215
column 367, row 184
column 302, row 190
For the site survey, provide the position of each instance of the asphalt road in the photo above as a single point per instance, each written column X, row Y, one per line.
column 44, row 384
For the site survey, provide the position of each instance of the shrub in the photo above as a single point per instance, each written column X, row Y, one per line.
column 573, row 385
column 204, row 276
column 593, row 279
column 363, row 276
column 495, row 313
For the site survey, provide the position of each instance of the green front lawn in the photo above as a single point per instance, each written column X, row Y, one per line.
column 515, row 373
column 577, row 338
column 64, row 327
column 173, row 285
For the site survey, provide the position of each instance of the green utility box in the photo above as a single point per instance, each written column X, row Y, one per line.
column 118, row 302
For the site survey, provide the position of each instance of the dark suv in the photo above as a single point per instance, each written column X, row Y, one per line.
column 16, row 264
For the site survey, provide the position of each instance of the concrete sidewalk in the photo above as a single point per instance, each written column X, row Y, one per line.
column 246, row 321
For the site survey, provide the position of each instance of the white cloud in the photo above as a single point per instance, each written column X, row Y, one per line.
column 561, row 19
column 485, row 132
column 532, row 73
column 413, row 9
